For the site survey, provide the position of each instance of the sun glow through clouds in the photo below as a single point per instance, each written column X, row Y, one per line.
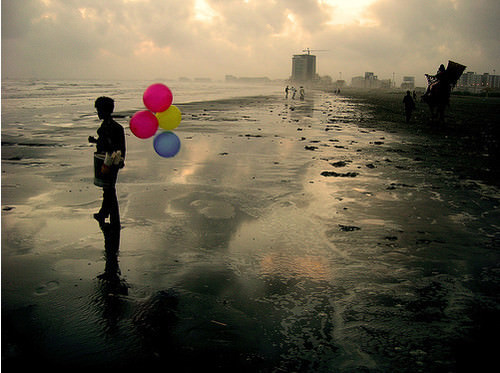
column 203, row 12
column 347, row 12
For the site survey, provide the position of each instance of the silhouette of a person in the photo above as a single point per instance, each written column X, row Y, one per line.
column 286, row 91
column 110, row 145
column 441, row 73
column 111, row 285
column 302, row 93
column 111, row 248
column 441, row 80
column 409, row 105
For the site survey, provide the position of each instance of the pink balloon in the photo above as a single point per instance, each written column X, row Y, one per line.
column 144, row 124
column 157, row 97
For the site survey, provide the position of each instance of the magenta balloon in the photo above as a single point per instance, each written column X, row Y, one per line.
column 144, row 124
column 157, row 97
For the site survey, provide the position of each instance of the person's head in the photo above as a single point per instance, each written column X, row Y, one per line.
column 441, row 67
column 104, row 106
column 407, row 93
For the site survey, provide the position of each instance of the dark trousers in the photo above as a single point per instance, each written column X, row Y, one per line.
column 110, row 206
column 408, row 112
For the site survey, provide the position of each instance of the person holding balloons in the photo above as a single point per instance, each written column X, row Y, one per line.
column 108, row 159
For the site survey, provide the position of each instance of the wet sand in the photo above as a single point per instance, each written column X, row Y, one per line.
column 470, row 129
column 306, row 236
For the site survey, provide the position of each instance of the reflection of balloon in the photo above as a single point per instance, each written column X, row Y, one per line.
column 167, row 144
column 157, row 97
column 144, row 124
column 170, row 118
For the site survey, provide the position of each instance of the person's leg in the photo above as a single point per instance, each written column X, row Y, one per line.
column 109, row 205
column 114, row 210
column 104, row 211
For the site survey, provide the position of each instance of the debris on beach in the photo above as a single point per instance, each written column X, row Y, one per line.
column 310, row 147
column 348, row 228
column 402, row 185
column 339, row 164
column 250, row 135
column 336, row 174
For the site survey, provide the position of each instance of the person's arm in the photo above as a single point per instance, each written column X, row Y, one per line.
column 123, row 146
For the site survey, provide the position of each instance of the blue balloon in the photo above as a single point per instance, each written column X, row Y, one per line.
column 167, row 144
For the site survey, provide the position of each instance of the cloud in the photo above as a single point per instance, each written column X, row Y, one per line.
column 443, row 29
column 155, row 38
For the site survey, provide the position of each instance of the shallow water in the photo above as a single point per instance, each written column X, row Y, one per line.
column 284, row 236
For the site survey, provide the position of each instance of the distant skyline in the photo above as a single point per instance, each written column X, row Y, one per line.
column 149, row 39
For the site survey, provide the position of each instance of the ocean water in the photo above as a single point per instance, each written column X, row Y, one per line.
column 60, row 104
column 126, row 93
column 285, row 236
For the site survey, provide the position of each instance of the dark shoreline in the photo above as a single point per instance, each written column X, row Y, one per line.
column 468, row 143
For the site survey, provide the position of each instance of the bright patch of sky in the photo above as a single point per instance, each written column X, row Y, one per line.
column 348, row 11
column 203, row 11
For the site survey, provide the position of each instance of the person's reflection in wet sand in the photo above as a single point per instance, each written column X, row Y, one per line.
column 111, row 285
column 111, row 248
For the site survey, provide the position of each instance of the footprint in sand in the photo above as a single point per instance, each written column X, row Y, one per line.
column 49, row 286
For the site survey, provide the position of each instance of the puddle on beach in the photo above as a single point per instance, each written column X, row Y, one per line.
column 242, row 252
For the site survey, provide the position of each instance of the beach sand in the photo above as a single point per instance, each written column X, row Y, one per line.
column 471, row 129
column 286, row 235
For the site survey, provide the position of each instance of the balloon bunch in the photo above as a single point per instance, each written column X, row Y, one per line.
column 161, row 113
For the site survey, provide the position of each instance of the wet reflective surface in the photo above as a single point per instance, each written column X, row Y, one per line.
column 284, row 236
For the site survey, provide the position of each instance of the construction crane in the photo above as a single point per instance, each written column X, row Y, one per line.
column 314, row 50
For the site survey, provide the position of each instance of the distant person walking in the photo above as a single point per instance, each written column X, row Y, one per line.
column 409, row 105
column 286, row 92
column 294, row 91
column 302, row 93
column 108, row 159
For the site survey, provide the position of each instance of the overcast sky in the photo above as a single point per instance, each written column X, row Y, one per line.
column 150, row 39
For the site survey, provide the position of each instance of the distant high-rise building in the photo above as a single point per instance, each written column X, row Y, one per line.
column 473, row 82
column 408, row 82
column 370, row 76
column 303, row 67
column 370, row 81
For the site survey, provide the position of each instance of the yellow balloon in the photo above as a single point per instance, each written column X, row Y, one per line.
column 170, row 118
